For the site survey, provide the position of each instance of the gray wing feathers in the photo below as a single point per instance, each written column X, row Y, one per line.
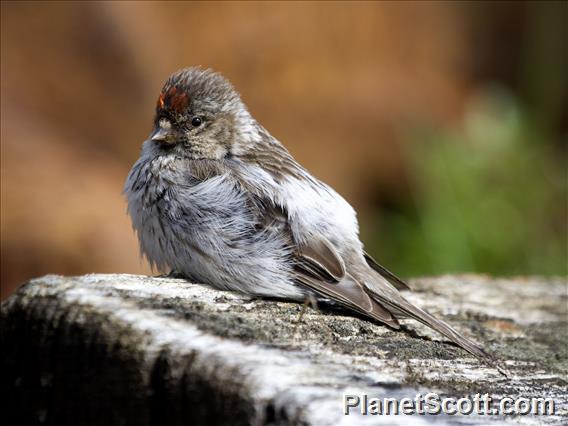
column 350, row 293
column 322, row 255
column 321, row 268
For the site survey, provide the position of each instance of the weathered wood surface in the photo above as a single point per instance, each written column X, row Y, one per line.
column 123, row 349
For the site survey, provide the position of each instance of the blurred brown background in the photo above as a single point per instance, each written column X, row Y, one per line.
column 444, row 123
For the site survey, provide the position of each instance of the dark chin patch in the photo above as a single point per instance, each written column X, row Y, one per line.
column 166, row 147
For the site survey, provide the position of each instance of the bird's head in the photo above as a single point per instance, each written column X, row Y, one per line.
column 200, row 115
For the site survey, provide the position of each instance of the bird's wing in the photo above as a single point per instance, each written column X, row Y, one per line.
column 317, row 264
column 372, row 297
column 319, row 267
column 318, row 255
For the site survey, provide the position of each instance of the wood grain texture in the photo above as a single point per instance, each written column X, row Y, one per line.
column 124, row 349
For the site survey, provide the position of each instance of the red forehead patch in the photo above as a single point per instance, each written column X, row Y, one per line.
column 173, row 100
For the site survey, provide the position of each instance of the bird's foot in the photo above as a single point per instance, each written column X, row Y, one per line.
column 310, row 301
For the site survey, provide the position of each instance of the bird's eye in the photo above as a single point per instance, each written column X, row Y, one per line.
column 196, row 121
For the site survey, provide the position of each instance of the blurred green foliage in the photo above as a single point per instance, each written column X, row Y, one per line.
column 489, row 197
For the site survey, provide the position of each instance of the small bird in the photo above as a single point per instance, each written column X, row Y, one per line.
column 218, row 200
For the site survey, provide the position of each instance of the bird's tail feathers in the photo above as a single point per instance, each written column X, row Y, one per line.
column 400, row 307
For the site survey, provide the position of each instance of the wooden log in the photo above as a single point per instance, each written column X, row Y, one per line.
column 134, row 350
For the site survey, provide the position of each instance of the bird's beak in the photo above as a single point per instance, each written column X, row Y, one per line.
column 163, row 136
